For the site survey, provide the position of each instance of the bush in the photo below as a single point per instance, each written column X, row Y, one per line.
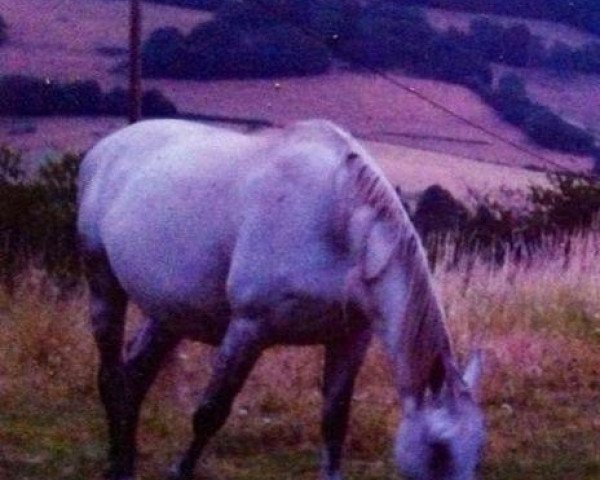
column 3, row 30
column 37, row 217
column 26, row 95
column 515, row 45
column 389, row 34
column 241, row 42
column 550, row 131
column 155, row 104
column 447, row 60
column 196, row 4
column 165, row 50
column 22, row 95
column 587, row 58
column 77, row 98
column 485, row 38
column 542, row 125
column 115, row 102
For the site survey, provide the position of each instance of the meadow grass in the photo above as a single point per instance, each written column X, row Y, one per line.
column 539, row 327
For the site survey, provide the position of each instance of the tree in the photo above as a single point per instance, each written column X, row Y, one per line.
column 165, row 54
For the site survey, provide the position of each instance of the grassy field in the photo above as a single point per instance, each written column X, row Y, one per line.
column 60, row 39
column 539, row 328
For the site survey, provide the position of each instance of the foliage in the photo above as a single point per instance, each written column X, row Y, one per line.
column 584, row 14
column 241, row 42
column 495, row 231
column 24, row 95
column 37, row 217
column 195, row 4
column 542, row 125
column 571, row 204
column 3, row 30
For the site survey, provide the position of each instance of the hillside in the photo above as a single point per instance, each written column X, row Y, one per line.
column 61, row 41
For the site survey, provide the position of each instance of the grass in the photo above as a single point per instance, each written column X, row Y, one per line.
column 539, row 328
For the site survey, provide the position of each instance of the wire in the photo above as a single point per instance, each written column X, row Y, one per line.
column 406, row 88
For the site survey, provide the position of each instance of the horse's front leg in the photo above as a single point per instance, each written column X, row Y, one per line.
column 342, row 362
column 239, row 351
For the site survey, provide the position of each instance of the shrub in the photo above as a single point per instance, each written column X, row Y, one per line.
column 165, row 50
column 541, row 124
column 3, row 30
column 515, row 45
column 438, row 212
column 155, row 104
column 115, row 102
column 26, row 95
column 389, row 34
column 22, row 95
column 196, row 4
column 587, row 58
column 77, row 98
column 448, row 60
column 550, row 131
column 37, row 217
column 561, row 57
column 486, row 39
column 241, row 42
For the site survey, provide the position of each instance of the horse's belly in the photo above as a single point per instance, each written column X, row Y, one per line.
column 297, row 322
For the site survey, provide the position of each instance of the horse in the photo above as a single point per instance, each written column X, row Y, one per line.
column 249, row 240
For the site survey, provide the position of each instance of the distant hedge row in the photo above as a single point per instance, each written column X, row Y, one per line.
column 24, row 95
column 245, row 40
column 515, row 45
column 542, row 125
column 583, row 14
column 3, row 30
column 239, row 43
column 196, row 4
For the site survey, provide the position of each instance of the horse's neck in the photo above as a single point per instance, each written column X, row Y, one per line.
column 419, row 336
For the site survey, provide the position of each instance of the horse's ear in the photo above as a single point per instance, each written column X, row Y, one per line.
column 380, row 245
column 472, row 373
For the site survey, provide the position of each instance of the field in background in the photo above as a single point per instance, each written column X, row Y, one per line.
column 539, row 328
column 567, row 94
column 62, row 38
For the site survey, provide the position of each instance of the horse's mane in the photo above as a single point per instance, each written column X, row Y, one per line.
column 420, row 339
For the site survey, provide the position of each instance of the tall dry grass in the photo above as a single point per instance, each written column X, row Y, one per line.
column 539, row 326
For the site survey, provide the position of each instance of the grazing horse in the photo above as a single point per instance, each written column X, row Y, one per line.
column 245, row 241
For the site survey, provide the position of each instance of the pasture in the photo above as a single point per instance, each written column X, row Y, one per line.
column 539, row 325
column 539, row 328
column 64, row 40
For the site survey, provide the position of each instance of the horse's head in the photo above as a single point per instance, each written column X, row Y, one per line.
column 442, row 435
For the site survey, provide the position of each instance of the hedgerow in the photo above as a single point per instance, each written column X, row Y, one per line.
column 25, row 95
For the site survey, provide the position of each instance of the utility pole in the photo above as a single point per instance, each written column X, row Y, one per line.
column 135, row 67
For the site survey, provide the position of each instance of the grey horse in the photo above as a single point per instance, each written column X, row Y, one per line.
column 245, row 241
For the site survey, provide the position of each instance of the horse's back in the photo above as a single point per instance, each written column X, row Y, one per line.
column 184, row 211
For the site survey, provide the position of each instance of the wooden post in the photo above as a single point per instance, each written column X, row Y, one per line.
column 135, row 90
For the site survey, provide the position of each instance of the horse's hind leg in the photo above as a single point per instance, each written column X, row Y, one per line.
column 342, row 362
column 145, row 356
column 108, row 303
column 241, row 347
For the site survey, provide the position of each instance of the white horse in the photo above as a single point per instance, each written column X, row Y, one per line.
column 247, row 241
